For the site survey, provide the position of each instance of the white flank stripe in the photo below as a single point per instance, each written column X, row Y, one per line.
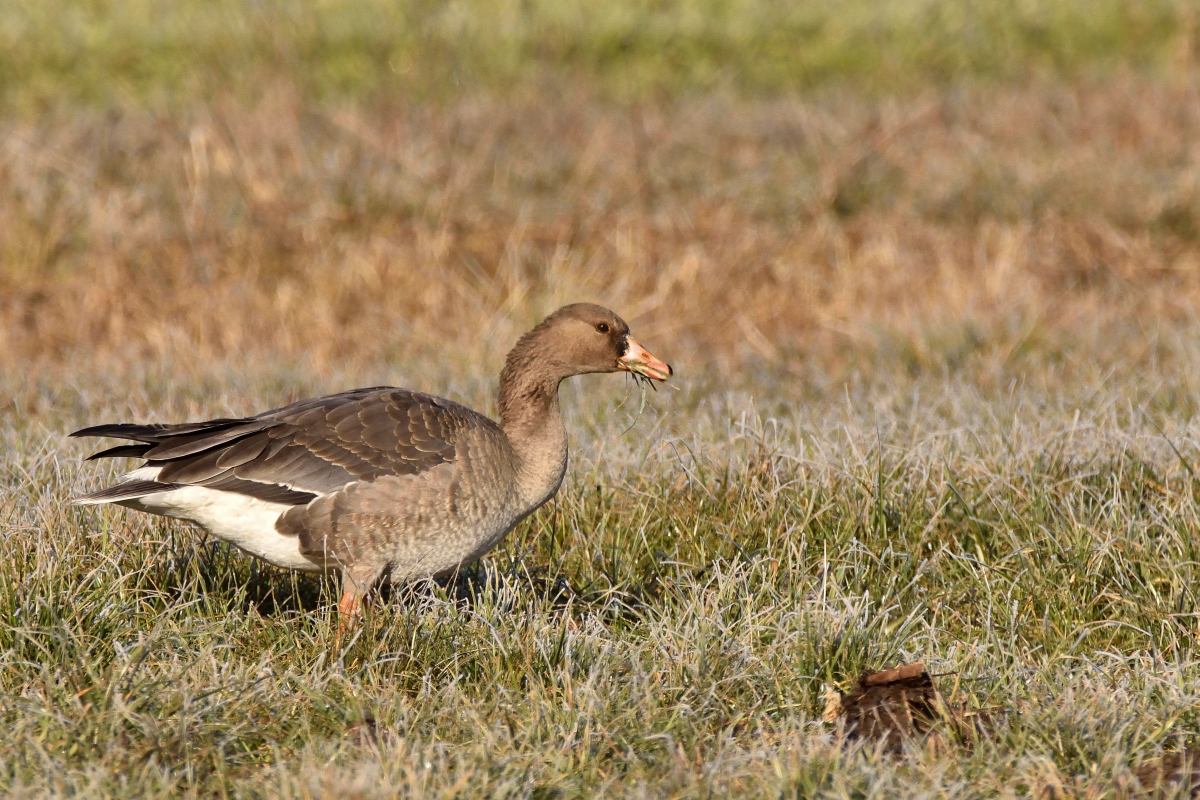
column 241, row 520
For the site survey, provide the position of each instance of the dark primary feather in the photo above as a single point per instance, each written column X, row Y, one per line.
column 147, row 433
column 127, row 491
column 186, row 444
column 121, row 451
column 293, row 453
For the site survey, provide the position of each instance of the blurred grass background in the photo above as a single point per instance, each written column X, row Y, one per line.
column 141, row 51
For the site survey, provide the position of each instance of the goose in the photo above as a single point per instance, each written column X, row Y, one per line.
column 382, row 482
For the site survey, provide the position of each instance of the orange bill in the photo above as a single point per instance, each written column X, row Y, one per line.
column 641, row 361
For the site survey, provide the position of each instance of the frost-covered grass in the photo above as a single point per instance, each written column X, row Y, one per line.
column 664, row 627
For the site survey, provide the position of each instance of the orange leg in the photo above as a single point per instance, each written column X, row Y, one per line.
column 350, row 607
column 356, row 582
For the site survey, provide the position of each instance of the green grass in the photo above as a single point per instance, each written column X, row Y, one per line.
column 142, row 51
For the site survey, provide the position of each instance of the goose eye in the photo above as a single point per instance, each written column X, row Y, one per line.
column 602, row 327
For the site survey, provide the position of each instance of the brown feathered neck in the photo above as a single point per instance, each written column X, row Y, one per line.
column 529, row 382
column 529, row 414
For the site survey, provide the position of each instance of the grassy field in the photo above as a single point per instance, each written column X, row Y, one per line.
column 933, row 311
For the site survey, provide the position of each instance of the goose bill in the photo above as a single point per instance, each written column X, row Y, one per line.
column 641, row 361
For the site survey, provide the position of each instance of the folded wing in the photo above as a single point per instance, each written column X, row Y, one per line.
column 294, row 453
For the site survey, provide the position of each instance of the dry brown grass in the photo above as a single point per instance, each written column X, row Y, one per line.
column 948, row 229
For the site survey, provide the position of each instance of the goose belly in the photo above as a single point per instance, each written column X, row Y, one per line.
column 453, row 544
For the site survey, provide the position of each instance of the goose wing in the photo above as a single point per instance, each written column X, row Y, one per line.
column 299, row 451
